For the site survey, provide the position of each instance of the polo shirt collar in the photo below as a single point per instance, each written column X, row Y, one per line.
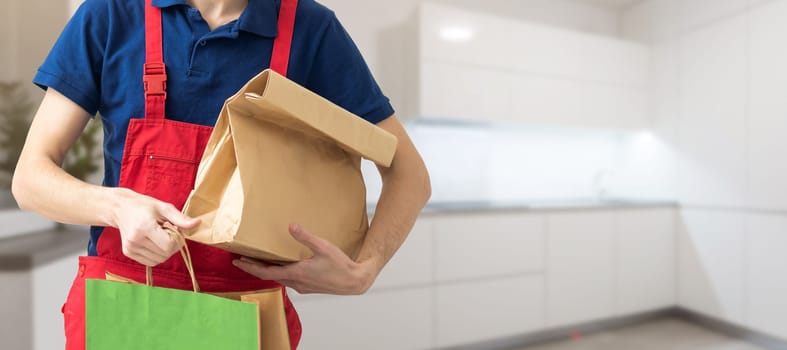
column 259, row 17
column 168, row 3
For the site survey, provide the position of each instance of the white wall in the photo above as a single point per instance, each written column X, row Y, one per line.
column 73, row 5
column 29, row 29
column 7, row 35
column 718, row 80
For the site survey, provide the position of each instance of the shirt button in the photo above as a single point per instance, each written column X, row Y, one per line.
column 203, row 43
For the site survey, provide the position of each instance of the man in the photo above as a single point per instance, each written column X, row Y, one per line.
column 114, row 58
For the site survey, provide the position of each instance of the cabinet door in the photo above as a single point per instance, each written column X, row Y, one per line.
column 711, row 263
column 485, row 310
column 487, row 245
column 645, row 263
column 453, row 91
column 766, row 263
column 565, row 54
column 451, row 34
column 480, row 67
column 395, row 320
column 412, row 263
column 580, row 267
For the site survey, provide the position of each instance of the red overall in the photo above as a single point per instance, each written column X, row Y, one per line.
column 160, row 159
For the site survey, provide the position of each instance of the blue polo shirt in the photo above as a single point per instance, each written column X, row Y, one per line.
column 97, row 63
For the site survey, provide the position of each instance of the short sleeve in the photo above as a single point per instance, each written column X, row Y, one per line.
column 73, row 66
column 341, row 75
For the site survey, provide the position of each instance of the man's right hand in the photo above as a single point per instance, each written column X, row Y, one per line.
column 140, row 220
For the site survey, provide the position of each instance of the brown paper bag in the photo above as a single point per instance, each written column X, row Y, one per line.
column 280, row 154
column 273, row 320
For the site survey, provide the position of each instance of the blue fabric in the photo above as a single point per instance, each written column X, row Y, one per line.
column 97, row 63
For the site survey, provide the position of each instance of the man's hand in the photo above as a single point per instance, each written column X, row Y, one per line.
column 140, row 220
column 329, row 271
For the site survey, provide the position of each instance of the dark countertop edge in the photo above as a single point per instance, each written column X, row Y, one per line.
column 437, row 208
column 27, row 251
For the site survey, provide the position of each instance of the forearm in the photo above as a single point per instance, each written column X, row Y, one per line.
column 406, row 189
column 41, row 186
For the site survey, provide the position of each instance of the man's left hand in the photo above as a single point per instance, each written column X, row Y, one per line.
column 328, row 271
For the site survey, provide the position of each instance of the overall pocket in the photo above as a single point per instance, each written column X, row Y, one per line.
column 170, row 179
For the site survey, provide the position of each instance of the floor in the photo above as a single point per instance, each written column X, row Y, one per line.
column 665, row 334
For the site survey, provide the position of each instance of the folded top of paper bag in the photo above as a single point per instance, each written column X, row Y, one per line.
column 293, row 104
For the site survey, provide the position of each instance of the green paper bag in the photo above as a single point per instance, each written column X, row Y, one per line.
column 121, row 316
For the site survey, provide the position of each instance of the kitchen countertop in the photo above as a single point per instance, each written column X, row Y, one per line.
column 439, row 207
column 24, row 252
column 27, row 251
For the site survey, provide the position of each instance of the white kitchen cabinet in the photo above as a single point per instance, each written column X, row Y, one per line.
column 711, row 247
column 766, row 264
column 412, row 263
column 767, row 124
column 450, row 34
column 471, row 93
column 396, row 320
column 465, row 278
column 645, row 260
column 485, row 68
column 485, row 310
column 712, row 127
column 565, row 54
column 580, row 267
column 486, row 245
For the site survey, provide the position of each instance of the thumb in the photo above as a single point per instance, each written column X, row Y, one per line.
column 309, row 240
column 179, row 219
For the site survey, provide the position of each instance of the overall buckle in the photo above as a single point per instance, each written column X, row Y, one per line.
column 155, row 79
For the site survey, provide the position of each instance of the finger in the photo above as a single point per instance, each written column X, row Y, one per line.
column 262, row 270
column 316, row 244
column 162, row 239
column 138, row 242
column 145, row 257
column 154, row 252
column 177, row 218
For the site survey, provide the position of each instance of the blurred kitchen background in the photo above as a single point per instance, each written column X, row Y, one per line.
column 607, row 174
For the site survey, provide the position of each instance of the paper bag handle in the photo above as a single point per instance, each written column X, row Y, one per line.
column 184, row 252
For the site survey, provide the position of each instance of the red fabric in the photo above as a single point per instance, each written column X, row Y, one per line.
column 153, row 33
column 154, row 72
column 281, row 47
column 160, row 159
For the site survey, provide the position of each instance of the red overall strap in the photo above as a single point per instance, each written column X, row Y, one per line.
column 280, row 59
column 154, row 76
